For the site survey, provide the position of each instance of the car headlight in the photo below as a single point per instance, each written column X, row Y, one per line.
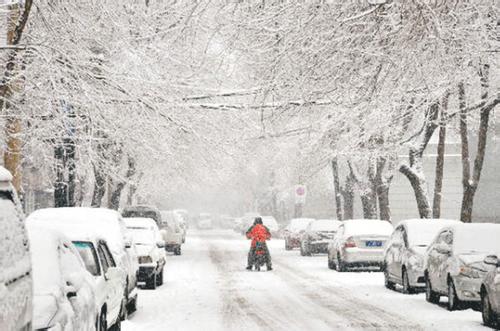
column 469, row 272
column 145, row 259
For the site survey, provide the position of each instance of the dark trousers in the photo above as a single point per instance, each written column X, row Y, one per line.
column 251, row 256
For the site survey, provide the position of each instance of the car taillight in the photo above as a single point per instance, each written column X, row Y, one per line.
column 349, row 243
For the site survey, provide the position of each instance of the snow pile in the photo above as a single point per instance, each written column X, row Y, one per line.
column 367, row 227
column 325, row 225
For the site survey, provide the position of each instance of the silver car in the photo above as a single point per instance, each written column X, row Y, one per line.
column 454, row 262
column 318, row 235
column 404, row 253
column 490, row 293
column 359, row 243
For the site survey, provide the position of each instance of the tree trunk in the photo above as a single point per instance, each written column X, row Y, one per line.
column 348, row 197
column 471, row 181
column 116, row 193
column 99, row 187
column 438, row 183
column 60, row 187
column 414, row 170
column 369, row 203
column 382, row 188
column 337, row 192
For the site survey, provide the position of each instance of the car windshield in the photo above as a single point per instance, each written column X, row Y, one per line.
column 140, row 213
column 89, row 256
column 142, row 236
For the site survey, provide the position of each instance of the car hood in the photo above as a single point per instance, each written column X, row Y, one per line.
column 472, row 259
column 419, row 250
column 45, row 309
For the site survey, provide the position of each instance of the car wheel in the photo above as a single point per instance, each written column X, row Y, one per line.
column 387, row 282
column 308, row 251
column 331, row 264
column 287, row 246
column 453, row 300
column 103, row 324
column 430, row 295
column 178, row 251
column 302, row 252
column 151, row 282
column 159, row 278
column 407, row 289
column 340, row 265
column 489, row 318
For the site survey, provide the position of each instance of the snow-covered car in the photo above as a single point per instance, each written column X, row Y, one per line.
column 151, row 250
column 15, row 267
column 490, row 293
column 63, row 288
column 317, row 236
column 359, row 243
column 454, row 262
column 271, row 223
column 205, row 222
column 404, row 253
column 171, row 232
column 147, row 211
column 110, row 226
column 99, row 262
column 294, row 231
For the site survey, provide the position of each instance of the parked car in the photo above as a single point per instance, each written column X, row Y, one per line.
column 359, row 243
column 108, row 224
column 271, row 223
column 205, row 222
column 108, row 279
column 63, row 288
column 147, row 211
column 317, row 236
column 404, row 253
column 294, row 231
column 454, row 262
column 15, row 266
column 171, row 232
column 151, row 250
column 490, row 293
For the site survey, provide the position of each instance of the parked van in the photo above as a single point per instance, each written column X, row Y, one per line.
column 15, row 266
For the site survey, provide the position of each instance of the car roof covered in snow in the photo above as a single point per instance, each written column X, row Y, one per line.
column 367, row 227
column 297, row 224
column 421, row 231
column 5, row 175
column 325, row 225
column 85, row 223
column 476, row 238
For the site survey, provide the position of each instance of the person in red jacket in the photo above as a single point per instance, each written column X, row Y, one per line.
column 258, row 233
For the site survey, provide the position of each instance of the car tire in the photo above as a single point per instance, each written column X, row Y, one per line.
column 177, row 251
column 331, row 264
column 407, row 289
column 387, row 282
column 453, row 300
column 430, row 295
column 287, row 246
column 308, row 251
column 341, row 267
column 489, row 318
column 302, row 252
column 159, row 278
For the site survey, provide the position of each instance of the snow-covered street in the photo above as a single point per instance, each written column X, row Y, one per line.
column 208, row 288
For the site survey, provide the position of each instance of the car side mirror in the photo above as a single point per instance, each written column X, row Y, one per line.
column 492, row 260
column 443, row 249
column 128, row 243
column 160, row 244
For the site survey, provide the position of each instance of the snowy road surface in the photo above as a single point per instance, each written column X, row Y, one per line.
column 207, row 288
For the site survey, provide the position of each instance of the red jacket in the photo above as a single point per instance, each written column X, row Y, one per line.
column 258, row 233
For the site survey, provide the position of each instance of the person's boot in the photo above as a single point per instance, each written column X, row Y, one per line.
column 269, row 268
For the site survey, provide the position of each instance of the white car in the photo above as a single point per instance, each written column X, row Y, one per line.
column 15, row 265
column 171, row 232
column 359, row 243
column 317, row 236
column 151, row 250
column 63, row 288
column 404, row 253
column 108, row 224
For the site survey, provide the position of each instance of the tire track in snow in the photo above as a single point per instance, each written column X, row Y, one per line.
column 359, row 314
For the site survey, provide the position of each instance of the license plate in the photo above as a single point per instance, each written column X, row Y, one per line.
column 373, row 243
